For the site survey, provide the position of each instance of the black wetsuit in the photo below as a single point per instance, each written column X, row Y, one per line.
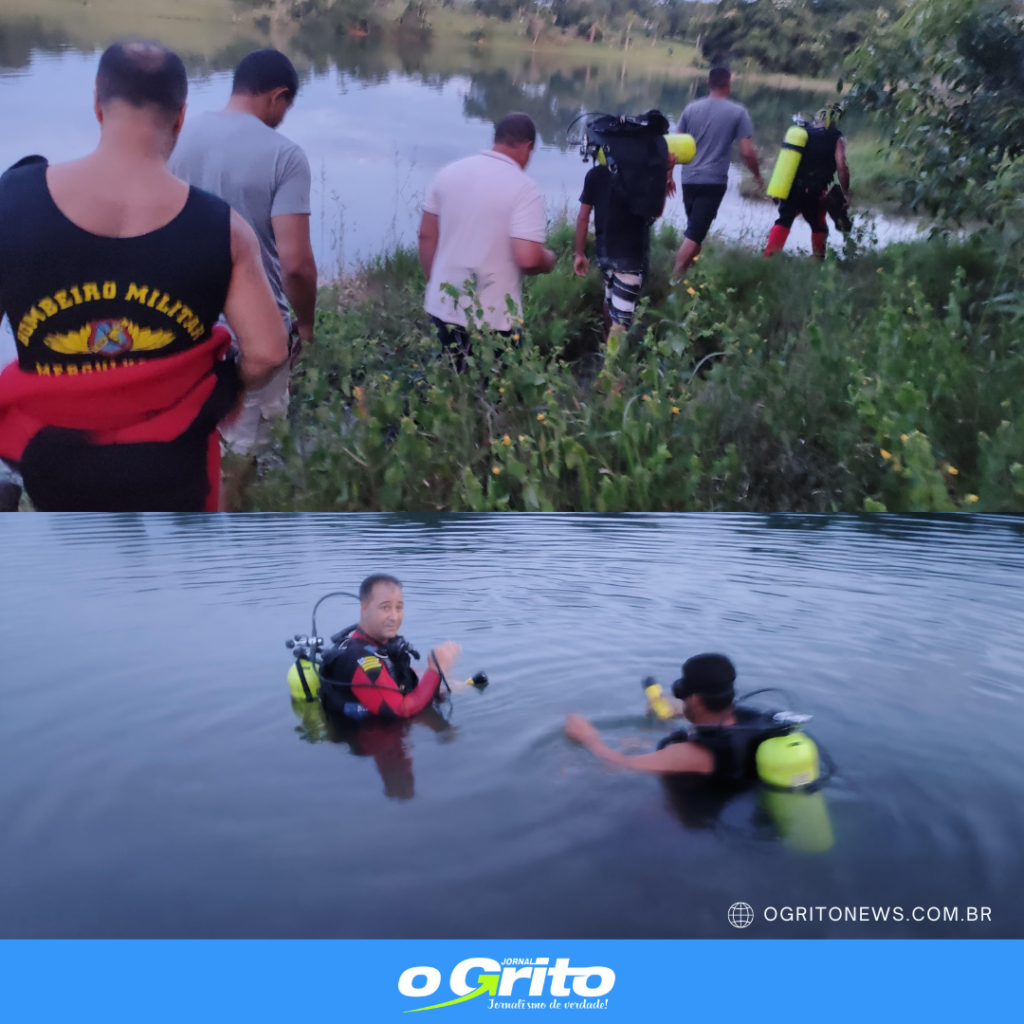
column 734, row 747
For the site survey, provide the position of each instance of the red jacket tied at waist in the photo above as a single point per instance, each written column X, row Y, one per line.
column 154, row 400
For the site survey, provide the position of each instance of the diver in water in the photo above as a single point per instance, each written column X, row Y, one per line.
column 724, row 736
column 369, row 671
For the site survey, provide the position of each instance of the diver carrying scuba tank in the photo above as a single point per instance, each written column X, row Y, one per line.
column 367, row 670
column 626, row 190
column 735, row 743
column 813, row 154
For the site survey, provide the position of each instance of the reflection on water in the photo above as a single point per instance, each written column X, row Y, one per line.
column 155, row 778
column 379, row 118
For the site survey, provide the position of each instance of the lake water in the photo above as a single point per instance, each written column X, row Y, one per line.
column 156, row 781
column 378, row 121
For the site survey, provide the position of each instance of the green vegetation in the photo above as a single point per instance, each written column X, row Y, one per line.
column 947, row 83
column 890, row 380
column 799, row 37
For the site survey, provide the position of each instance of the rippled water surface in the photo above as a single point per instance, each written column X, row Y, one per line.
column 156, row 781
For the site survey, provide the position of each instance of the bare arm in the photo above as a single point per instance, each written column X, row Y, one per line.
column 298, row 267
column 749, row 154
column 843, row 168
column 580, row 263
column 430, row 231
column 251, row 309
column 532, row 258
column 676, row 758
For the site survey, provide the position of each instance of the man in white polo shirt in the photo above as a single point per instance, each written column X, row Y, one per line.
column 483, row 227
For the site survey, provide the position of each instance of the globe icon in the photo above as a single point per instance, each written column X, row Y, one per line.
column 741, row 915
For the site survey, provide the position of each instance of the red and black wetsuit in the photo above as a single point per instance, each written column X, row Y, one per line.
column 377, row 676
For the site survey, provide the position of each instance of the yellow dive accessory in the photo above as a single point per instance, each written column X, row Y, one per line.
column 788, row 162
column 788, row 761
column 295, row 680
column 656, row 697
column 682, row 146
column 789, row 764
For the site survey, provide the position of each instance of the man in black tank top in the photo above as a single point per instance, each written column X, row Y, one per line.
column 823, row 158
column 113, row 274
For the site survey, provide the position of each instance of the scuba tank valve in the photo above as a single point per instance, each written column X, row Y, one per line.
column 788, row 162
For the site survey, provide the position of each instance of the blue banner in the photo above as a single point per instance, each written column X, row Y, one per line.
column 867, row 981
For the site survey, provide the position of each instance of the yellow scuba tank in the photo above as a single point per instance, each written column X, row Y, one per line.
column 789, row 764
column 682, row 146
column 312, row 720
column 295, row 680
column 656, row 696
column 788, row 761
column 788, row 162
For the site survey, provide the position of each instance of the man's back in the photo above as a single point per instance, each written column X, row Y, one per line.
column 715, row 123
column 622, row 239
column 482, row 202
column 257, row 171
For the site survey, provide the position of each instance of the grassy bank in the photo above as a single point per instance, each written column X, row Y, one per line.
column 890, row 380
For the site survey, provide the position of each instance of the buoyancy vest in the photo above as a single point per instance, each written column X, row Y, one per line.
column 636, row 153
column 357, row 660
column 734, row 747
column 818, row 163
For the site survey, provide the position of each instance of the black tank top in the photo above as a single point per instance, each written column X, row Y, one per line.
column 818, row 164
column 79, row 302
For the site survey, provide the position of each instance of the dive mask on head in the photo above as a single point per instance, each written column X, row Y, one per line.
column 830, row 115
column 708, row 675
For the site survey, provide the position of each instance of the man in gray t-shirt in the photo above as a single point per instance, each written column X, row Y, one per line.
column 715, row 122
column 236, row 154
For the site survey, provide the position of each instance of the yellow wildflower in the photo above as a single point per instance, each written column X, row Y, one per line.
column 903, row 438
column 884, row 453
column 540, row 417
column 971, row 498
column 691, row 291
column 952, row 470
column 675, row 410
column 496, row 470
column 501, row 391
column 506, row 440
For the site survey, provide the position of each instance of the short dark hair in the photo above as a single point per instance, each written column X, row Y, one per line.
column 514, row 129
column 143, row 73
column 264, row 70
column 366, row 587
column 719, row 77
